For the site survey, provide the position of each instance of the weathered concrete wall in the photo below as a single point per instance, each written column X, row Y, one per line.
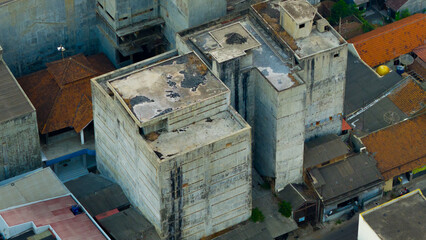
column 123, row 13
column 191, row 195
column 183, row 14
column 208, row 189
column 123, row 155
column 290, row 136
column 325, row 77
column 31, row 30
column 19, row 146
column 279, row 131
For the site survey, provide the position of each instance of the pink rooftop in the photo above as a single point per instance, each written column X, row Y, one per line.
column 56, row 213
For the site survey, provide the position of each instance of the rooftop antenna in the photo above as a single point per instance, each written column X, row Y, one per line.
column 62, row 50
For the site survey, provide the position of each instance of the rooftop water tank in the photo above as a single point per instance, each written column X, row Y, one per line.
column 382, row 70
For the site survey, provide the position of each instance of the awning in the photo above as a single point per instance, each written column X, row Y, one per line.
column 345, row 125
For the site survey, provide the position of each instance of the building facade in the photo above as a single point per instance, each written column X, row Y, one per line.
column 19, row 141
column 285, row 67
column 167, row 135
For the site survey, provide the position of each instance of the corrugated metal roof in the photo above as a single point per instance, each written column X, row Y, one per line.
column 395, row 4
column 363, row 86
column 346, row 176
column 37, row 185
column 13, row 101
column 421, row 52
column 324, row 149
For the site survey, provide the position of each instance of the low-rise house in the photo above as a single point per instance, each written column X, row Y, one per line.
column 346, row 185
column 413, row 6
column 418, row 68
column 386, row 44
column 325, row 150
column 36, row 205
column 106, row 202
column 399, row 150
column 63, row 100
column 303, row 203
column 400, row 218
column 19, row 141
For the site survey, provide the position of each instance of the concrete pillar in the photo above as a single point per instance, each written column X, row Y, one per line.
column 82, row 136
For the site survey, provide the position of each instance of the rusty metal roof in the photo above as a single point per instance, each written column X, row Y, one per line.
column 398, row 148
column 13, row 102
column 61, row 93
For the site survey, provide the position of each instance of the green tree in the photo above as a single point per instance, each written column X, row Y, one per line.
column 341, row 9
column 366, row 26
column 285, row 209
column 402, row 14
column 257, row 215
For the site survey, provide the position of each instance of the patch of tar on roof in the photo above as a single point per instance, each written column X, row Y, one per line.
column 168, row 86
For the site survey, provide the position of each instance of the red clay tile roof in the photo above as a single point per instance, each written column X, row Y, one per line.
column 56, row 213
column 421, row 52
column 399, row 148
column 395, row 4
column 409, row 97
column 61, row 93
column 391, row 41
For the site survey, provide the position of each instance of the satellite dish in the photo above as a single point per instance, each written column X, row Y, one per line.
column 406, row 59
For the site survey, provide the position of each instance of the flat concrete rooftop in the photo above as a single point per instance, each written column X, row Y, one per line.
column 269, row 14
column 165, row 87
column 274, row 64
column 232, row 41
column 196, row 135
column 300, row 10
column 401, row 218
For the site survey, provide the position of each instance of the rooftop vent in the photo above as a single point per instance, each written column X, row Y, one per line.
column 297, row 17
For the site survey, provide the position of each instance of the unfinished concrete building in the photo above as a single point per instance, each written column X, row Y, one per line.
column 285, row 67
column 133, row 30
column 19, row 144
column 167, row 134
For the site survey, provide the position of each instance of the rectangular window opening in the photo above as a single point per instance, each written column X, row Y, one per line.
column 302, row 25
column 336, row 55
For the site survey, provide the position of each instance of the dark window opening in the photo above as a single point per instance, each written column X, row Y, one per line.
column 302, row 25
column 122, row 58
column 336, row 55
column 347, row 202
